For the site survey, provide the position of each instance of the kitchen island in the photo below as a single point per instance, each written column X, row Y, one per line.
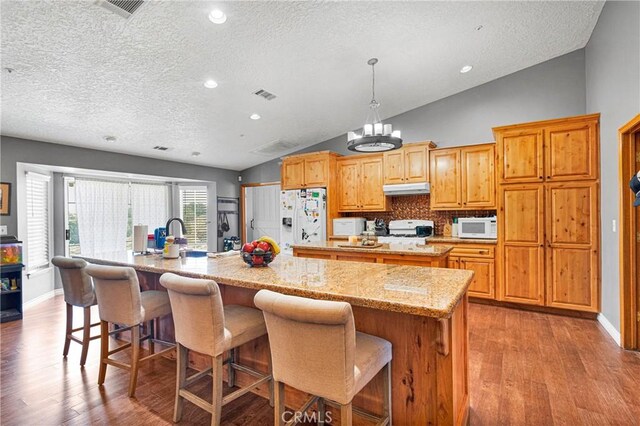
column 396, row 254
column 421, row 311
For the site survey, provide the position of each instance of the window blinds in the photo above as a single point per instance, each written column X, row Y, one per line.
column 193, row 210
column 37, row 221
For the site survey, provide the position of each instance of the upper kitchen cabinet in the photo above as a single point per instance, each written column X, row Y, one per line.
column 520, row 156
column 360, row 180
column 445, row 182
column 571, row 151
column 463, row 178
column 408, row 164
column 548, row 151
column 308, row 170
column 478, row 176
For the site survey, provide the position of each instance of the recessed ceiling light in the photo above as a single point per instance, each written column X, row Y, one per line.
column 466, row 68
column 109, row 139
column 195, row 153
column 217, row 16
column 255, row 116
column 210, row 84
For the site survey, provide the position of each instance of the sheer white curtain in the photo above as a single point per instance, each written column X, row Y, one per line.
column 149, row 205
column 103, row 213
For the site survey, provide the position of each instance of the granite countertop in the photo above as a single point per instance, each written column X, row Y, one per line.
column 437, row 239
column 430, row 292
column 410, row 249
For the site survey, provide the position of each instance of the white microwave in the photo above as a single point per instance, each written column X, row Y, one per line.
column 345, row 226
column 478, row 227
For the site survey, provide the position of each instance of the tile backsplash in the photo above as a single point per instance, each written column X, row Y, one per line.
column 417, row 207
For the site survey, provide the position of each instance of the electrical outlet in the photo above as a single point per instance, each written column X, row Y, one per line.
column 3, row 229
column 613, row 225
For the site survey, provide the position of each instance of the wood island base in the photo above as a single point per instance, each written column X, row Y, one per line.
column 429, row 366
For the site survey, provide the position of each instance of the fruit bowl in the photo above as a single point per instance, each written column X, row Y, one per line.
column 258, row 259
column 260, row 252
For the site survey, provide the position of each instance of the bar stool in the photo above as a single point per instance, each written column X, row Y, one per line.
column 78, row 291
column 121, row 302
column 316, row 349
column 204, row 325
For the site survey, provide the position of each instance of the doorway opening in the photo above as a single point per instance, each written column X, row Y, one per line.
column 629, row 143
column 260, row 210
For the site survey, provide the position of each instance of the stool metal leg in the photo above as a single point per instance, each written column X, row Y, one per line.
column 233, row 359
column 321, row 412
column 152, row 333
column 386, row 385
column 67, row 336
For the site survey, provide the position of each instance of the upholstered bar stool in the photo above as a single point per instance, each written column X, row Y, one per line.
column 78, row 291
column 204, row 325
column 121, row 302
column 316, row 349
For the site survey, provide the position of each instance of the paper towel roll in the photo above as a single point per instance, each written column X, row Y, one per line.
column 140, row 238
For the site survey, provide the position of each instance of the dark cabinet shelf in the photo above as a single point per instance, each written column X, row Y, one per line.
column 11, row 300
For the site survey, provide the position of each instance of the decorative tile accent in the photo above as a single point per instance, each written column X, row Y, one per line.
column 417, row 207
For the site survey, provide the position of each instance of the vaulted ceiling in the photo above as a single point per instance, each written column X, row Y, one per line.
column 81, row 72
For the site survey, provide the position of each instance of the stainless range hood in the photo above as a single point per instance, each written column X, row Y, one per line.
column 406, row 188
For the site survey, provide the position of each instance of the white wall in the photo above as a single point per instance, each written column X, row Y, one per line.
column 552, row 89
column 613, row 89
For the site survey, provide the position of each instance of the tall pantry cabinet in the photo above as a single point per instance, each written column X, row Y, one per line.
column 549, row 216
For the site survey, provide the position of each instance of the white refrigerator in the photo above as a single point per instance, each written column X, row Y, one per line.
column 303, row 217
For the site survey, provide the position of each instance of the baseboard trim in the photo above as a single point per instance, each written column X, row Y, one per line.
column 48, row 295
column 609, row 328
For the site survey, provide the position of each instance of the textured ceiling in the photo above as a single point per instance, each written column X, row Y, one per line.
column 83, row 72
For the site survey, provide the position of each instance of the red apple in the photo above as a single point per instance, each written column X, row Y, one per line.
column 247, row 248
column 254, row 243
column 257, row 260
column 264, row 246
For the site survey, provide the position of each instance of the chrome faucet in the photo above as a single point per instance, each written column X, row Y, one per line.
column 184, row 228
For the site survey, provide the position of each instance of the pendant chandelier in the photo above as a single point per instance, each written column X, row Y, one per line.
column 375, row 136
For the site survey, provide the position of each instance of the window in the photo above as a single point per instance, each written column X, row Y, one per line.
column 37, row 221
column 193, row 211
column 146, row 203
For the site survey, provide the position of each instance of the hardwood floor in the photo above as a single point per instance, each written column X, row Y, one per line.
column 525, row 368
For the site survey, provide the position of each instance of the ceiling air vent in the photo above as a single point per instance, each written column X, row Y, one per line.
column 161, row 148
column 124, row 8
column 275, row 148
column 264, row 94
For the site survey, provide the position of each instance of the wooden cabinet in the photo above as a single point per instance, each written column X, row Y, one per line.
column 445, row 182
column 479, row 258
column 292, row 173
column 573, row 268
column 570, row 151
column 349, row 182
column 548, row 213
column 463, row 178
column 307, row 170
column 520, row 156
column 360, row 183
column 478, row 176
column 521, row 239
column 555, row 150
column 408, row 164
